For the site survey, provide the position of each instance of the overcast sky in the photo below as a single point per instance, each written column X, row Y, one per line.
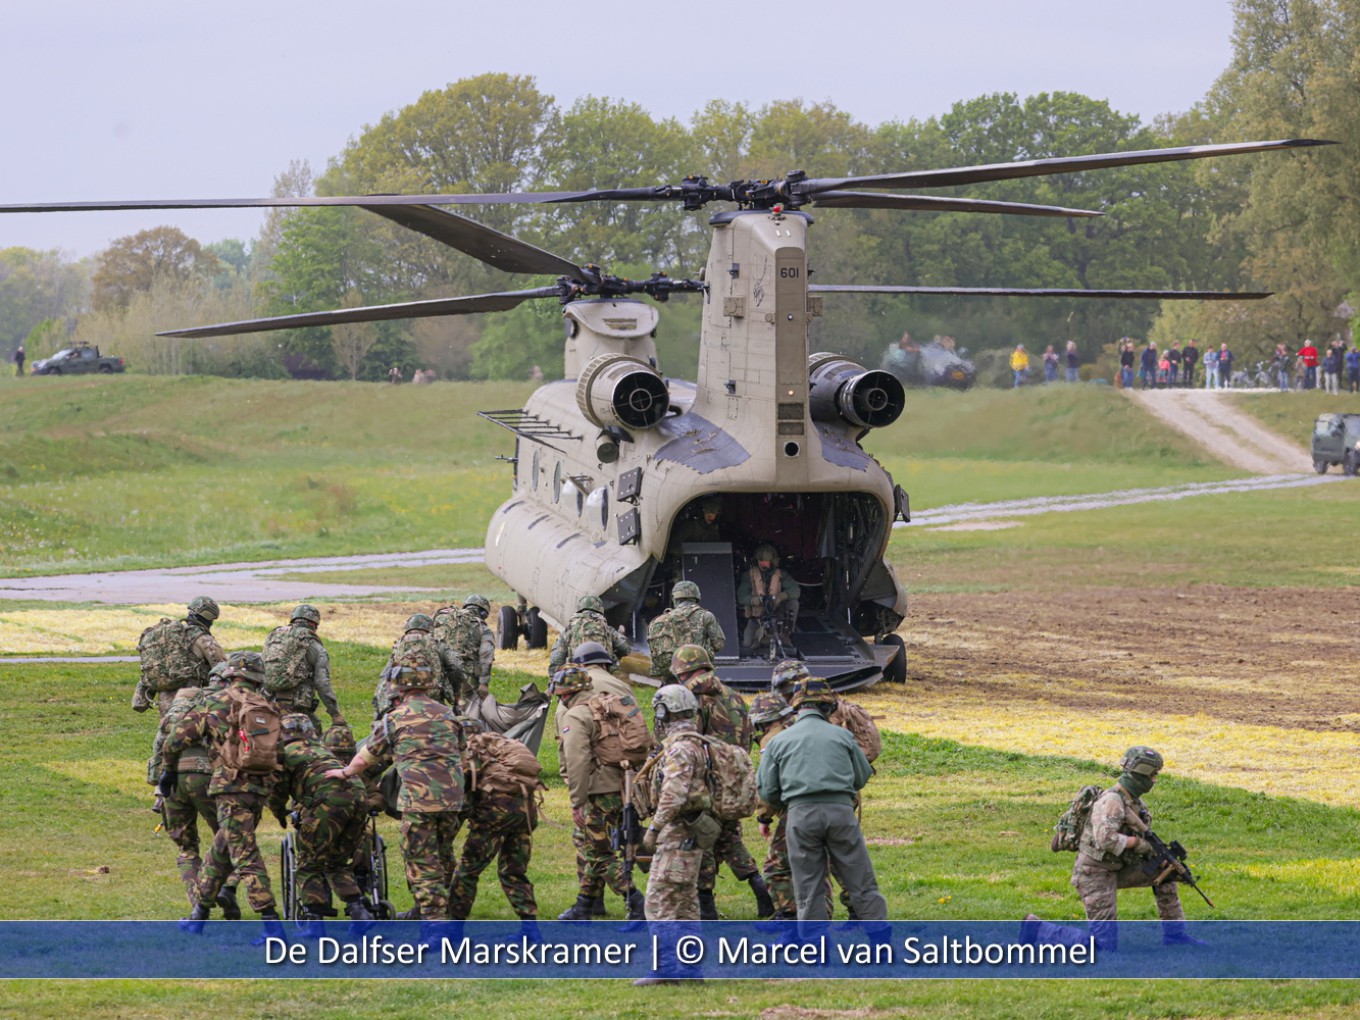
column 129, row 99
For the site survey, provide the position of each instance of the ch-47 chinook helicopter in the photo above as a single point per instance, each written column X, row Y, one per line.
column 626, row 480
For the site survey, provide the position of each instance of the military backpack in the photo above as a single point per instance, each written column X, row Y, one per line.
column 621, row 733
column 731, row 779
column 461, row 630
column 860, row 723
column 285, row 658
column 254, row 734
column 168, row 660
column 1071, row 824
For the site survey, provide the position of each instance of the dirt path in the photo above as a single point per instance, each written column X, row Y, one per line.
column 1232, row 436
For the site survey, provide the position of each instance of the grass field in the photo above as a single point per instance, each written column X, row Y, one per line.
column 197, row 470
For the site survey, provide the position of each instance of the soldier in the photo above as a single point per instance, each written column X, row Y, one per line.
column 813, row 769
column 184, row 803
column 1110, row 858
column 595, row 787
column 688, row 623
column 239, row 794
column 464, row 629
column 765, row 580
column 588, row 624
column 422, row 737
column 770, row 715
column 175, row 654
column 502, row 815
column 681, row 793
column 298, row 670
column 722, row 715
column 446, row 665
column 339, row 740
column 328, row 823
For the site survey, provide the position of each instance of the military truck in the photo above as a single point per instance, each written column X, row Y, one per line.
column 77, row 359
column 1336, row 440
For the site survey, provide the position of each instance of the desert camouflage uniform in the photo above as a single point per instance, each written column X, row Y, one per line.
column 688, row 623
column 594, row 788
column 317, row 688
column 189, row 801
column 465, row 632
column 499, row 823
column 723, row 716
column 423, row 739
column 449, row 681
column 239, row 798
column 203, row 647
column 331, row 820
column 680, row 791
column 586, row 625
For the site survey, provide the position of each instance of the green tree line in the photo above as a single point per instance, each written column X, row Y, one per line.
column 1285, row 223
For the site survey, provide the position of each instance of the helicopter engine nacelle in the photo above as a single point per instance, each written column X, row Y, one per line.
column 616, row 390
column 839, row 389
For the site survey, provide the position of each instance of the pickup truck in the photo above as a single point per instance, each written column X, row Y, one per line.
column 80, row 358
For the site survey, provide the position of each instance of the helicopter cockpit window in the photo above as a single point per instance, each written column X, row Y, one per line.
column 557, row 483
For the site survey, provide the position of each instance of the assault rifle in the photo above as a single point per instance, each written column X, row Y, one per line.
column 769, row 619
column 1168, row 862
column 625, row 839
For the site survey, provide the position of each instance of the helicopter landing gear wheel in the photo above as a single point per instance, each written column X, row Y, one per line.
column 538, row 630
column 896, row 671
column 509, row 629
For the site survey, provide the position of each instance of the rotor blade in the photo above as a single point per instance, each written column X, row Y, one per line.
column 481, row 242
column 1075, row 292
column 927, row 203
column 1043, row 167
column 499, row 302
column 366, row 201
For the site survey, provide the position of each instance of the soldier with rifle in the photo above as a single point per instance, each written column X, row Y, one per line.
column 1118, row 850
column 769, row 598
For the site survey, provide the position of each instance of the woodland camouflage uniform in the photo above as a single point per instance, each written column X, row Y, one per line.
column 688, row 623
column 201, row 652
column 464, row 629
column 778, row 874
column 316, row 687
column 447, row 666
column 499, row 823
column 331, row 819
column 422, row 737
column 587, row 624
column 238, row 796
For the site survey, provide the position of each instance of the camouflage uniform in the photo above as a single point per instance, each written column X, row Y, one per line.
column 499, row 823
column 331, row 820
column 723, row 716
column 446, row 663
column 688, row 623
column 587, row 625
column 201, row 653
column 778, row 873
column 757, row 583
column 239, row 798
column 679, row 791
column 423, row 739
column 316, row 687
column 464, row 630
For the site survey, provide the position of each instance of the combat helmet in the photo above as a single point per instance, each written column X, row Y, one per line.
column 769, row 707
column 309, row 613
column 217, row 676
column 685, row 590
column 592, row 653
column 1141, row 761
column 479, row 603
column 689, row 658
column 569, row 680
column 296, row 726
column 786, row 674
column 247, row 666
column 589, row 604
column 811, row 690
column 339, row 740
column 205, row 607
column 765, row 551
column 419, row 621
column 673, row 701
column 412, row 672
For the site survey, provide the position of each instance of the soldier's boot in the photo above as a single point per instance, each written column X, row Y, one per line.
column 193, row 924
column 850, row 923
column 226, row 899
column 764, row 905
column 581, row 910
column 597, row 907
column 708, row 908
column 529, row 930
column 360, row 919
column 432, row 931
column 1034, row 931
column 312, row 926
column 1174, row 933
column 777, row 921
column 408, row 915
column 272, row 927
column 636, row 906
